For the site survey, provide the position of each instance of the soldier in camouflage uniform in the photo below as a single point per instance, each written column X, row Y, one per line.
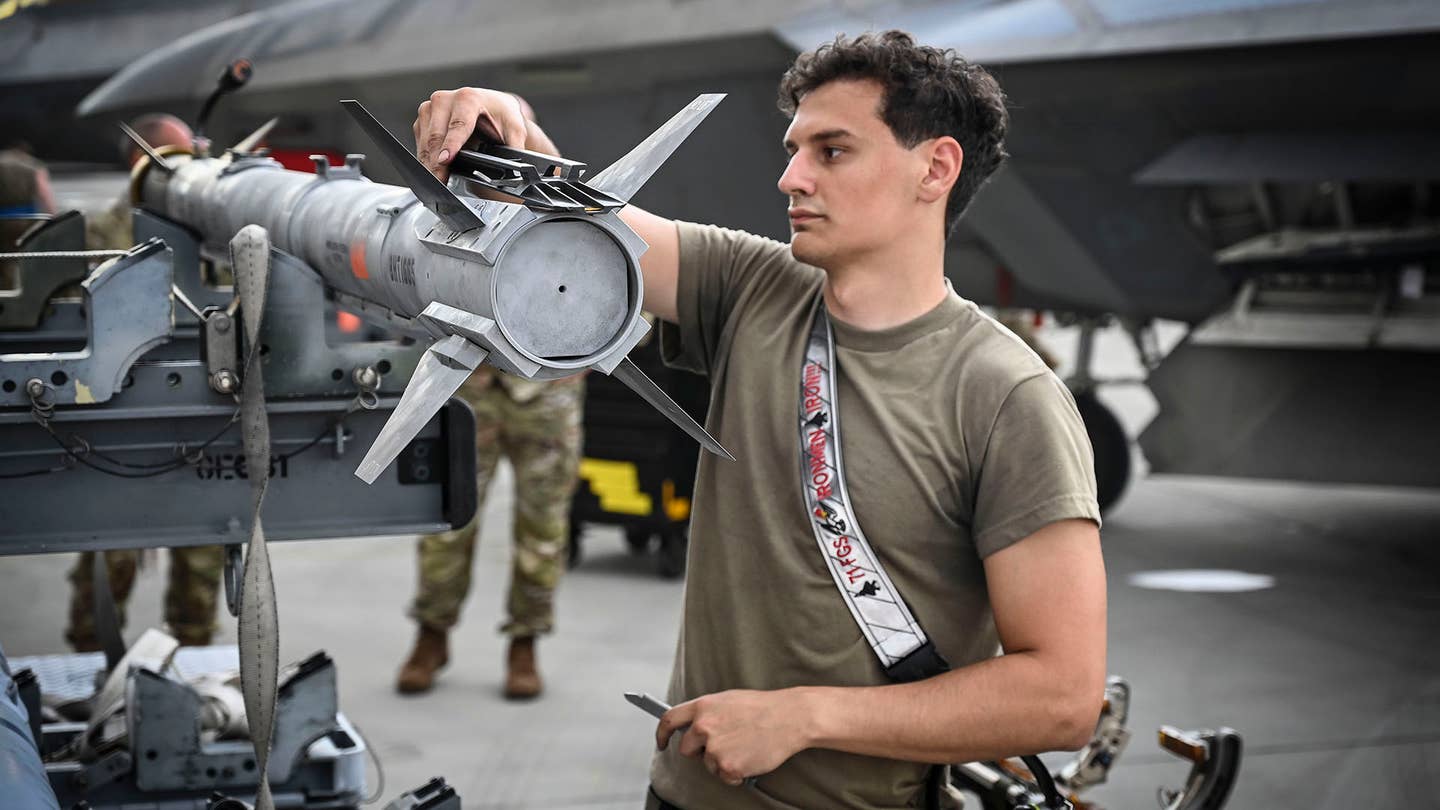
column 192, row 591
column 190, row 594
column 536, row 425
column 24, row 191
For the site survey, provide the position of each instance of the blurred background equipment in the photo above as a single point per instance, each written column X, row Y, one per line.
column 1257, row 170
column 638, row 471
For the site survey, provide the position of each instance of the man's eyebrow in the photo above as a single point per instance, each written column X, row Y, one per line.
column 823, row 135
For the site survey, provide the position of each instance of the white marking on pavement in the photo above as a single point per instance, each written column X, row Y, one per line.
column 1202, row 581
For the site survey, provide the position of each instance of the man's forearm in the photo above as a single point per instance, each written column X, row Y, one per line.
column 1008, row 706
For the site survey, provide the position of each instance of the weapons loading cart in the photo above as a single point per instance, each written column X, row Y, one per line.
column 118, row 430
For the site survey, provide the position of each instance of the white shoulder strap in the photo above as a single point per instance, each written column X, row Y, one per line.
column 885, row 620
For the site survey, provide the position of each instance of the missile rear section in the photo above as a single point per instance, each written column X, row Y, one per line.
column 542, row 280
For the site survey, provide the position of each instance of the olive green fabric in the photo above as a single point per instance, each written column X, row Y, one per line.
column 958, row 441
column 17, row 178
column 191, row 593
column 113, row 228
column 537, row 426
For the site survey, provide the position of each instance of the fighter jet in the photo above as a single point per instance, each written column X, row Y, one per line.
column 55, row 52
column 1261, row 170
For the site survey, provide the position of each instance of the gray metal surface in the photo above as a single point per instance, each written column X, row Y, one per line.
column 23, row 306
column 301, row 361
column 163, row 715
column 1018, row 31
column 314, row 493
column 154, row 412
column 1297, row 413
column 166, row 758
column 189, row 265
column 1295, row 157
column 442, row 370
column 129, row 313
column 564, row 291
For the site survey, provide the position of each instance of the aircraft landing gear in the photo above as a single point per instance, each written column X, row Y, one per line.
column 671, row 550
column 1108, row 439
column 1111, row 447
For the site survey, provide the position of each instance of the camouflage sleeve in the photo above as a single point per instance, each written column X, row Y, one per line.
column 110, row 229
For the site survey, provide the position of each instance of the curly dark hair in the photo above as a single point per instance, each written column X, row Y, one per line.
column 928, row 92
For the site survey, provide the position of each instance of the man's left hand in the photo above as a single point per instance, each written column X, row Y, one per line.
column 740, row 732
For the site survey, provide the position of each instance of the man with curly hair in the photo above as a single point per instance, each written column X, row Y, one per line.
column 964, row 457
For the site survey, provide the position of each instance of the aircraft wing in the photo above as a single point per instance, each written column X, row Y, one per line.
column 375, row 40
column 1105, row 95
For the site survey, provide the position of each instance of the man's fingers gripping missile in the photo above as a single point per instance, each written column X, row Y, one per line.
column 430, row 191
column 450, row 118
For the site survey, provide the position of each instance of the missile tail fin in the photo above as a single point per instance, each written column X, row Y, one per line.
column 427, row 187
column 630, row 374
column 249, row 142
column 625, row 176
column 443, row 367
column 155, row 157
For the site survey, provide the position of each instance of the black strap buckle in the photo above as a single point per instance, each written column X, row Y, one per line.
column 924, row 662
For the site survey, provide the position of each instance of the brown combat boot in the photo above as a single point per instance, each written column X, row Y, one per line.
column 430, row 654
column 522, row 678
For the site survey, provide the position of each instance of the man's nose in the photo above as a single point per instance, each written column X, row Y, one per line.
column 796, row 179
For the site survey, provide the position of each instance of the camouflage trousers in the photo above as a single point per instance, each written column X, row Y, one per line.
column 540, row 435
column 190, row 595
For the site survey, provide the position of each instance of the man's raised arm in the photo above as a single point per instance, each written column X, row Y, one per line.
column 448, row 118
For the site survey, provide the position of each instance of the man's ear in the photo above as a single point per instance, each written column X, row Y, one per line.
column 943, row 170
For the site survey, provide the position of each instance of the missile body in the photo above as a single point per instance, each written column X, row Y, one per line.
column 561, row 288
column 542, row 287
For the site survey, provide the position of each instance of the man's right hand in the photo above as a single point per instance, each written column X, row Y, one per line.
column 446, row 120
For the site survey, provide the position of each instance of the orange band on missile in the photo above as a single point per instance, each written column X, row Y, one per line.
column 357, row 260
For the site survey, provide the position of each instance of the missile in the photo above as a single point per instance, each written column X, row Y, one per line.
column 519, row 261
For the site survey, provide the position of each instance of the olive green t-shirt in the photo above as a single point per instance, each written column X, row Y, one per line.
column 958, row 441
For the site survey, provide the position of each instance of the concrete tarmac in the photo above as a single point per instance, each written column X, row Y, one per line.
column 1332, row 675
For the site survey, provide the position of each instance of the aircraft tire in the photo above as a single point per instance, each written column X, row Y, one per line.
column 674, row 548
column 573, row 551
column 637, row 540
column 1111, row 446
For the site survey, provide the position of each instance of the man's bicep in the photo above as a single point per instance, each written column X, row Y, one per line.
column 1048, row 595
column 660, row 264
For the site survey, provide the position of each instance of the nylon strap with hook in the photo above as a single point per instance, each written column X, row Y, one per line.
column 259, row 629
column 904, row 650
